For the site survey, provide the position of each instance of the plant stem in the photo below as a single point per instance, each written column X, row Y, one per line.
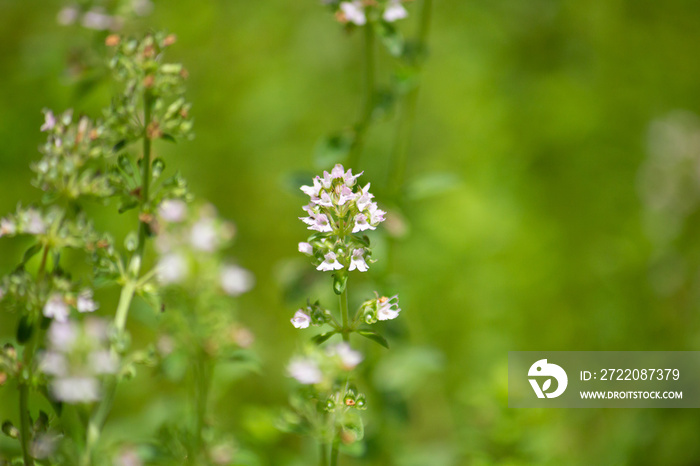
column 344, row 313
column 335, row 453
column 368, row 101
column 99, row 416
column 25, row 421
column 323, row 454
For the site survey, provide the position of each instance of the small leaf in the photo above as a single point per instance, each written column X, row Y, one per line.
column 391, row 38
column 31, row 252
column 375, row 337
column 340, row 280
column 546, row 385
column 25, row 328
column 10, row 430
column 119, row 146
column 168, row 137
column 320, row 338
column 127, row 205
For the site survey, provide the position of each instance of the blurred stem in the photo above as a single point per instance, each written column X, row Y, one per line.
column 25, row 421
column 323, row 454
column 335, row 453
column 406, row 124
column 344, row 313
column 99, row 416
column 27, row 374
column 203, row 370
column 368, row 101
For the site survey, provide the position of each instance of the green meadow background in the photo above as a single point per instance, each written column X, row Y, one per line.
column 551, row 202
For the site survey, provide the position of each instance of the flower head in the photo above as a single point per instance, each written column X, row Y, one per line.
column 301, row 319
column 394, row 11
column 388, row 308
column 354, row 12
column 349, row 358
column 358, row 260
column 56, row 308
column 305, row 370
column 236, row 280
column 330, row 262
column 85, row 302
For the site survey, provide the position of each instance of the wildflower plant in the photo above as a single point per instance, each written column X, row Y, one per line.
column 172, row 257
column 327, row 407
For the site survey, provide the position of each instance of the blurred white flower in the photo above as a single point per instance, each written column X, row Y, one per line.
column 86, row 303
column 173, row 210
column 305, row 371
column 76, row 389
column 203, row 235
column 349, row 358
column 172, row 268
column 62, row 335
column 354, row 12
column 49, row 119
column 7, row 227
column 98, row 20
column 56, row 308
column 301, row 319
column 236, row 280
column 34, row 223
column 394, row 11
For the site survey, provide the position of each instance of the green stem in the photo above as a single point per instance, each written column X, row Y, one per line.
column 25, row 421
column 368, row 100
column 323, row 455
column 99, row 416
column 344, row 313
column 203, row 370
column 335, row 453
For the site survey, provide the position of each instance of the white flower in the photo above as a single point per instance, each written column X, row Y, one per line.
column 306, row 248
column 173, row 210
column 172, row 268
column 357, row 261
column 67, row 16
column 361, row 223
column 354, row 12
column 35, row 224
column 204, row 236
column 56, row 308
column 376, row 215
column 349, row 358
column 86, row 303
column 236, row 280
column 301, row 319
column 394, row 11
column 7, row 227
column 142, row 7
column 364, row 199
column 314, row 190
column 318, row 222
column 388, row 308
column 323, row 200
column 62, row 335
column 78, row 389
column 103, row 362
column 346, row 195
column 96, row 19
column 49, row 118
column 53, row 363
column 305, row 371
column 330, row 262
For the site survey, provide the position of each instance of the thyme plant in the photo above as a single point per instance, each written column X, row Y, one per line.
column 328, row 404
column 63, row 352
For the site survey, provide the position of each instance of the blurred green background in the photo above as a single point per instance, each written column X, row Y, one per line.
column 572, row 129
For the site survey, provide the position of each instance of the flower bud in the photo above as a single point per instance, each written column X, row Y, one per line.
column 10, row 430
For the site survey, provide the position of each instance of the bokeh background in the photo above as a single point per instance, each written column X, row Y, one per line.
column 551, row 202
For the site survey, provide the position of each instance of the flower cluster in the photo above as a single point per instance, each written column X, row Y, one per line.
column 338, row 212
column 73, row 156
column 92, row 14
column 76, row 356
column 358, row 12
column 380, row 308
column 188, row 243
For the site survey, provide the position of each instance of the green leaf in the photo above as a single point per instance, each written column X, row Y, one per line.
column 340, row 280
column 127, row 205
column 119, row 145
column 25, row 328
column 375, row 337
column 391, row 38
column 31, row 252
column 320, row 338
column 168, row 137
